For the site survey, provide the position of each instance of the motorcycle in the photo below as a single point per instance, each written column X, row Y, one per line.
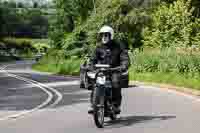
column 101, row 97
column 86, row 81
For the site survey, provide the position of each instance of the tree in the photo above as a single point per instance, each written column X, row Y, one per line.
column 1, row 20
column 196, row 5
column 35, row 5
column 66, row 11
column 69, row 14
column 23, row 22
column 173, row 26
column 84, row 6
column 20, row 5
column 11, row 4
column 71, row 10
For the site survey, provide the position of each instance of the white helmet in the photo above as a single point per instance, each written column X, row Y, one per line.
column 107, row 29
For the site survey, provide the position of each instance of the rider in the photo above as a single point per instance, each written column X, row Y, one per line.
column 118, row 57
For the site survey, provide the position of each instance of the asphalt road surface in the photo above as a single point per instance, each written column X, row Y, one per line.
column 33, row 102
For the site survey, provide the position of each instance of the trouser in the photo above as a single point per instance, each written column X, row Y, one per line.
column 116, row 90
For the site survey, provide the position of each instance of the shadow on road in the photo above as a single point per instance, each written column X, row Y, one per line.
column 130, row 120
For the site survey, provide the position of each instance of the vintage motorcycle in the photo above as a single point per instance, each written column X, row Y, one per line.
column 101, row 96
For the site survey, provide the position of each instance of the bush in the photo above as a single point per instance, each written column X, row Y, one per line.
column 25, row 46
column 173, row 26
column 17, row 43
column 70, row 66
column 56, row 63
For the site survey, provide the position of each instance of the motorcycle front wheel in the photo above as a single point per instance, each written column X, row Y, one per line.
column 113, row 116
column 99, row 112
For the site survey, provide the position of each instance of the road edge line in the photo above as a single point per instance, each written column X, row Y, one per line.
column 50, row 97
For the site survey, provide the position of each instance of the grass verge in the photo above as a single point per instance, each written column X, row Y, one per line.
column 64, row 67
column 167, row 78
column 69, row 68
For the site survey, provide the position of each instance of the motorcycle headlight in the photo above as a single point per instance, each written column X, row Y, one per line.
column 91, row 75
column 101, row 80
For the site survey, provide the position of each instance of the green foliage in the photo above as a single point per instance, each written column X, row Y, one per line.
column 75, row 11
column 69, row 14
column 173, row 26
column 23, row 22
column 167, row 61
column 70, row 66
column 24, row 46
column 173, row 23
column 167, row 78
column 56, row 63
column 196, row 4
column 84, row 7
column 17, row 43
column 127, row 21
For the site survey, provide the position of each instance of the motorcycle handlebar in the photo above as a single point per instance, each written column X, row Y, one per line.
column 102, row 69
column 115, row 69
column 93, row 68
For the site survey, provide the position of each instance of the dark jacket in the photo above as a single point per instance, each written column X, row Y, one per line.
column 114, row 54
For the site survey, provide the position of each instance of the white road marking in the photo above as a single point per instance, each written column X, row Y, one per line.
column 42, row 85
column 37, row 84
column 63, row 83
column 50, row 97
column 83, row 99
column 77, row 92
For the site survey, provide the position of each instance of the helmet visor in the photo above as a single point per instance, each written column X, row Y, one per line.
column 105, row 34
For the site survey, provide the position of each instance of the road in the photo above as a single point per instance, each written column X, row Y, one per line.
column 34, row 102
